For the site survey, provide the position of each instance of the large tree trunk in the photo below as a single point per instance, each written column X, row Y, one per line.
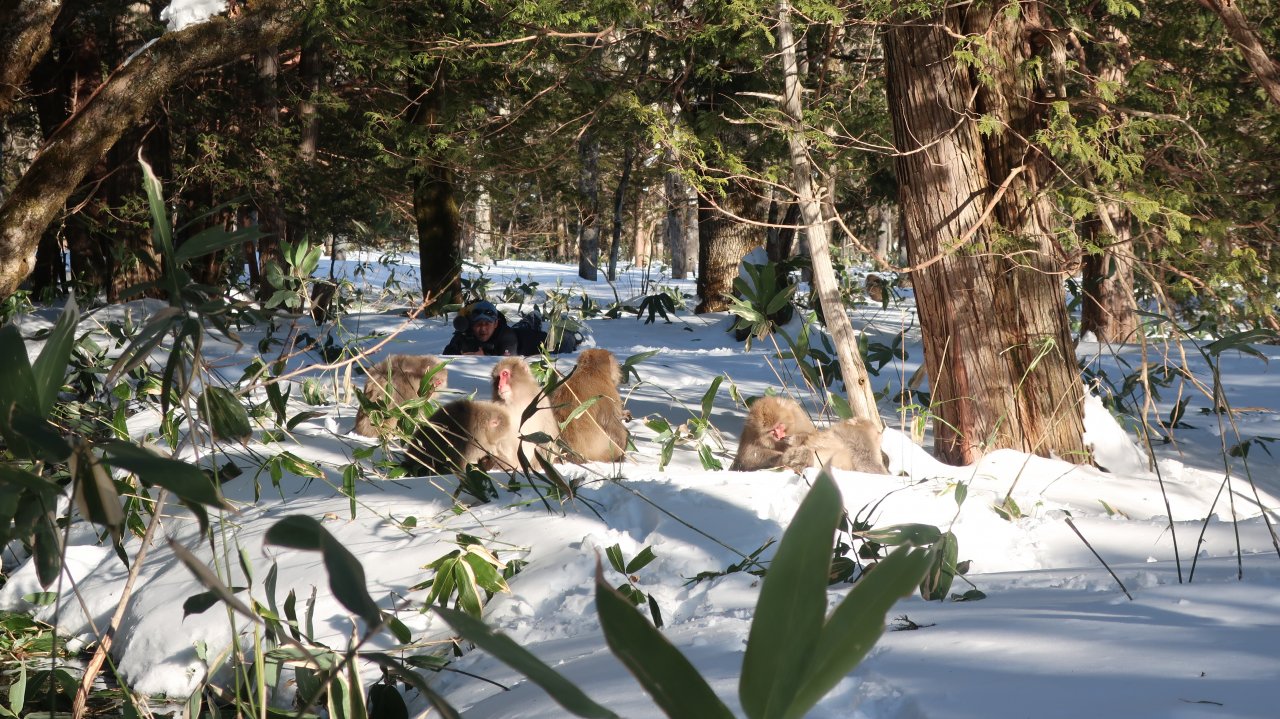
column 26, row 38
column 589, row 196
column 997, row 341
column 724, row 240
column 435, row 208
column 121, row 101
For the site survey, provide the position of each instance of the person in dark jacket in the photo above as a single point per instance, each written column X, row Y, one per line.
column 482, row 330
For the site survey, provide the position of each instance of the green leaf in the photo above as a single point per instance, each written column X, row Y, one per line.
column 856, row 625
column 17, row 381
column 468, row 597
column 385, row 702
column 614, row 555
column 47, row 550
column 709, row 397
column 346, row 574
column 564, row 692
column 1241, row 341
column 942, row 568
column 213, row 239
column 917, row 534
column 224, row 414
column 641, row 560
column 184, row 480
column 202, row 602
column 50, row 367
column 95, row 493
column 18, row 691
column 792, row 605
column 663, row 671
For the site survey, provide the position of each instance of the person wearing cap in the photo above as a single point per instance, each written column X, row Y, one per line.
column 481, row 330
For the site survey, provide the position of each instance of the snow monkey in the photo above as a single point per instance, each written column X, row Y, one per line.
column 853, row 444
column 516, row 390
column 465, row 432
column 598, row 434
column 405, row 374
column 774, row 425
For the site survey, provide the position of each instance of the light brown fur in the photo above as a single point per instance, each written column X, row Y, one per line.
column 773, row 425
column 465, row 432
column 598, row 434
column 853, row 444
column 515, row 389
column 406, row 373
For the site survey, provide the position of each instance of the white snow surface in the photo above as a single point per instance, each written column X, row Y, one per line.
column 1055, row 636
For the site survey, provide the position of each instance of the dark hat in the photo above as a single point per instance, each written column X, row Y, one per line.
column 483, row 310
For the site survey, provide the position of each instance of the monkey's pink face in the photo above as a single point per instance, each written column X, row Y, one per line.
column 779, row 431
column 504, row 383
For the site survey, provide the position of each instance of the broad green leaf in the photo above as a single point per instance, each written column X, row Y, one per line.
column 385, row 702
column 664, row 672
column 614, row 554
column 200, row 603
column 856, row 625
column 18, row 690
column 346, row 574
column 641, row 560
column 487, row 576
column 709, row 397
column 468, row 597
column 47, row 550
column 1241, row 341
column 918, row 534
column 942, row 568
column 213, row 239
column 50, row 367
column 95, row 493
column 564, row 692
column 147, row 340
column 224, row 414
column 792, row 605
column 17, row 381
column 184, row 480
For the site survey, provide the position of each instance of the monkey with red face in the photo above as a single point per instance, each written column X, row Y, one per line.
column 774, row 425
column 528, row 406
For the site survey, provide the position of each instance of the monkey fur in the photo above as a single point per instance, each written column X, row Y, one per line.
column 774, row 425
column 598, row 434
column 406, row 373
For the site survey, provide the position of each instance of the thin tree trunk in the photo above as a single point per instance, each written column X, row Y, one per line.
column 125, row 97
column 856, row 381
column 677, row 212
column 271, row 217
column 997, row 341
column 1246, row 39
column 589, row 196
column 482, row 244
column 619, row 203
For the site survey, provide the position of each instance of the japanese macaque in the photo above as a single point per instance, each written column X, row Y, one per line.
column 853, row 444
column 598, row 434
column 517, row 391
column 774, row 425
column 465, row 432
column 402, row 375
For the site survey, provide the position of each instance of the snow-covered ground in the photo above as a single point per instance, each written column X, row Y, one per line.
column 1055, row 636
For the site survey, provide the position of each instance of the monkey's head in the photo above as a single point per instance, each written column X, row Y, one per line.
column 602, row 361
column 508, row 370
column 776, row 416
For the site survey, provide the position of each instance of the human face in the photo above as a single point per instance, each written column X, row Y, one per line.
column 483, row 329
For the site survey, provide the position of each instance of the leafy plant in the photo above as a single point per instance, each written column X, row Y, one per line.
column 656, row 304
column 630, row 588
column 795, row 653
column 696, row 431
column 759, row 302
column 293, row 285
column 462, row 575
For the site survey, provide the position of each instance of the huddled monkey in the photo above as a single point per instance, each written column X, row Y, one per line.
column 465, row 432
column 598, row 434
column 398, row 380
column 852, row 444
column 517, row 391
column 774, row 425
